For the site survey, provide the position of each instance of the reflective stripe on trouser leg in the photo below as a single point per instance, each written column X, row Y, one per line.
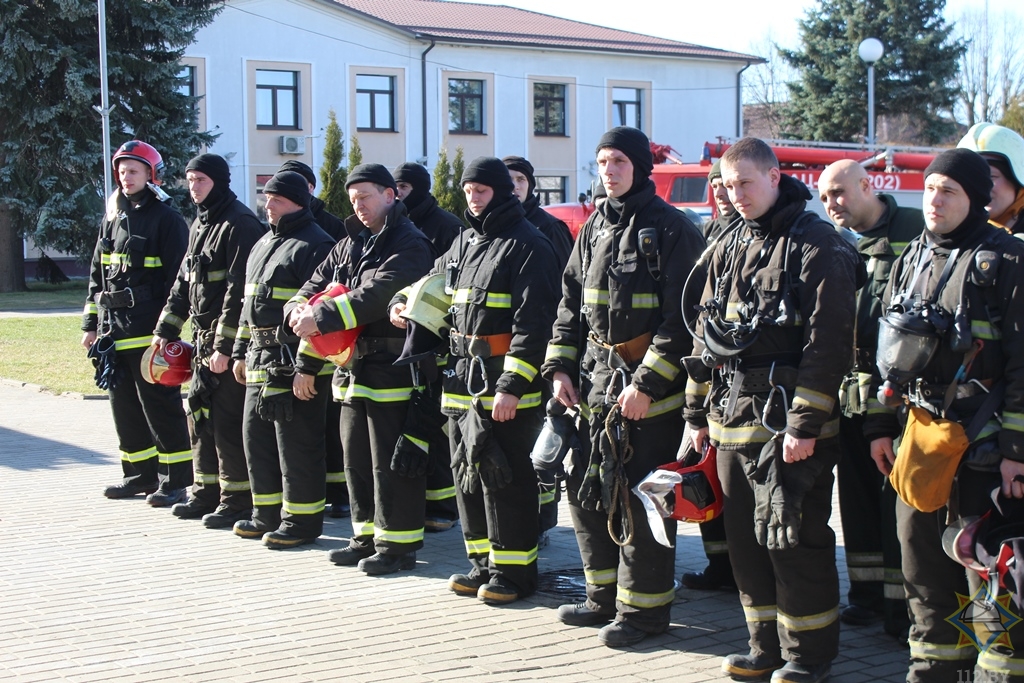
column 226, row 419
column 472, row 515
column 355, row 437
column 548, row 499
column 441, row 503
column 263, row 462
column 716, row 548
column 640, row 577
column 860, row 505
column 303, row 468
column 165, row 418
column 337, row 484
column 399, row 503
column 135, row 441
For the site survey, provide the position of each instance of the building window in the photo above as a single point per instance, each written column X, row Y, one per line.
column 551, row 189
column 187, row 86
column 626, row 107
column 549, row 109
column 689, row 190
column 277, row 99
column 465, row 106
column 375, row 103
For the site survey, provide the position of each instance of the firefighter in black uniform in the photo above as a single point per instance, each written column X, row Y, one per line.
column 209, row 289
column 501, row 274
column 337, row 486
column 777, row 330
column 718, row 573
column 383, row 253
column 441, row 228
column 867, row 502
column 138, row 250
column 284, row 437
column 615, row 352
column 967, row 274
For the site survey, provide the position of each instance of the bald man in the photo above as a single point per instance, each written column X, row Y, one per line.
column 866, row 501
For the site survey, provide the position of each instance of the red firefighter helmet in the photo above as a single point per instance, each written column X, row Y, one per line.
column 144, row 152
column 171, row 368
column 337, row 347
column 699, row 496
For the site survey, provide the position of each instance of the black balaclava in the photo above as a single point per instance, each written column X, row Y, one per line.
column 493, row 173
column 216, row 168
column 417, row 176
column 300, row 168
column 970, row 170
column 521, row 165
column 634, row 144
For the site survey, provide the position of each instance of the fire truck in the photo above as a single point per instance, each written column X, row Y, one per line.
column 898, row 171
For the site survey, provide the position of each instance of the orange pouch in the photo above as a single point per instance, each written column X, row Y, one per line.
column 927, row 460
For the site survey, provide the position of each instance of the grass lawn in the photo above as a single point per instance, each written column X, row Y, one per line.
column 43, row 296
column 47, row 351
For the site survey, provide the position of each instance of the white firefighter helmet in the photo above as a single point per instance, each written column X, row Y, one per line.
column 989, row 138
column 428, row 304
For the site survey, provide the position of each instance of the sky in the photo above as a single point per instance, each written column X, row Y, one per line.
column 733, row 25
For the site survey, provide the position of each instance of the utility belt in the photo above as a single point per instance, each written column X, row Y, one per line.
column 619, row 356
column 479, row 345
column 269, row 337
column 366, row 346
column 932, row 397
column 122, row 298
column 759, row 375
column 761, row 380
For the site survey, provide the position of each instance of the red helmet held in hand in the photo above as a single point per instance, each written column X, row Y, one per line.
column 337, row 347
column 171, row 368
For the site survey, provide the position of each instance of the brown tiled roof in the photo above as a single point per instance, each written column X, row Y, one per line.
column 464, row 22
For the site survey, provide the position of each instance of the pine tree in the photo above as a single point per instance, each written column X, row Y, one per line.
column 1013, row 117
column 332, row 173
column 916, row 75
column 458, row 197
column 51, row 162
column 442, row 184
column 355, row 153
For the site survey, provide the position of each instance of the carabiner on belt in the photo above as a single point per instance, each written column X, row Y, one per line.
column 768, row 403
column 477, row 362
column 611, row 396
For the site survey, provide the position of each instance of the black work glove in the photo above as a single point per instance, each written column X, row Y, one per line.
column 104, row 358
column 465, row 475
column 796, row 479
column 493, row 466
column 200, row 398
column 411, row 458
column 275, row 399
column 763, row 475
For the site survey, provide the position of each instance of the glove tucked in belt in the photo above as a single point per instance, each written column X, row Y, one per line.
column 423, row 423
column 275, row 399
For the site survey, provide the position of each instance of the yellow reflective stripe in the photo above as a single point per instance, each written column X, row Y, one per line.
column 983, row 329
column 139, row 456
column 354, row 391
column 255, row 376
column 464, row 402
column 250, row 288
column 306, row 349
column 420, row 443
column 117, row 259
column 175, row 458
column 644, row 600
column 90, row 309
column 876, row 408
column 894, row 591
column 757, row 433
column 601, row 577
column 645, row 301
column 498, row 300
column 597, row 297
column 327, row 369
column 216, row 275
column 348, row 315
column 105, row 259
column 545, row 497
column 132, row 343
column 520, row 367
column 667, row 405
column 732, row 310
column 757, row 613
column 171, row 319
column 990, row 428
column 811, row 622
column 654, row 361
column 336, row 478
column 441, row 494
column 1000, row 663
column 697, row 389
column 461, row 296
column 276, row 391
column 558, row 351
column 1014, row 421
column 813, row 399
column 894, row 576
column 243, row 485
column 519, row 558
column 282, row 293
column 203, row 478
column 293, row 508
column 263, row 499
column 201, row 412
column 153, row 262
column 226, row 332
column 864, row 559
column 478, row 546
column 864, row 573
column 898, row 247
column 715, row 547
column 243, row 333
column 941, row 652
column 393, row 536
column 362, row 528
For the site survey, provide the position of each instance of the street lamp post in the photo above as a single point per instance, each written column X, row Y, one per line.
column 104, row 108
column 871, row 50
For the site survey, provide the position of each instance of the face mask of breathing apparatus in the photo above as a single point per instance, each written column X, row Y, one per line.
column 908, row 337
column 557, row 437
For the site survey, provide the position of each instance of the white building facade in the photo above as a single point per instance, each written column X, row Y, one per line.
column 409, row 77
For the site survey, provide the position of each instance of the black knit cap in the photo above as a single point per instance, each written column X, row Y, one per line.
column 634, row 144
column 371, row 173
column 212, row 165
column 716, row 170
column 414, row 174
column 967, row 168
column 489, row 171
column 523, row 166
column 300, row 168
column 289, row 185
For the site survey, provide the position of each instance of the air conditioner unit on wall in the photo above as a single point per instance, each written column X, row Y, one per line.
column 292, row 144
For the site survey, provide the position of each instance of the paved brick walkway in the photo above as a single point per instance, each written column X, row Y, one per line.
column 97, row 590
